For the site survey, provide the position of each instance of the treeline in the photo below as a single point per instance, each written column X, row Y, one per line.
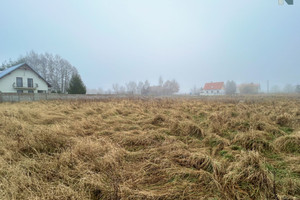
column 168, row 87
column 286, row 89
column 53, row 68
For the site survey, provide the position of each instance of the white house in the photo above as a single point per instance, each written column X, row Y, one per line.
column 22, row 78
column 216, row 88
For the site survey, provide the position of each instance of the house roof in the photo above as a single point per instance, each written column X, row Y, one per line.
column 9, row 70
column 214, row 86
column 13, row 68
column 249, row 84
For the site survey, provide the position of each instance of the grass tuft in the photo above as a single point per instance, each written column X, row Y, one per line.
column 288, row 143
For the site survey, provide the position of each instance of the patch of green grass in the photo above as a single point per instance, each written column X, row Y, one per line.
column 229, row 157
column 281, row 170
column 200, row 117
column 287, row 130
column 186, row 176
column 236, row 147
column 292, row 147
column 223, row 152
column 248, row 114
column 246, row 124
column 253, row 191
column 234, row 114
column 159, row 138
column 167, row 132
column 272, row 155
column 133, row 128
column 229, row 134
column 167, row 112
column 193, row 178
column 134, row 148
column 214, row 142
column 226, row 155
column 172, row 179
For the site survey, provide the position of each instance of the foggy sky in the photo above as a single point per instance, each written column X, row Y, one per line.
column 193, row 41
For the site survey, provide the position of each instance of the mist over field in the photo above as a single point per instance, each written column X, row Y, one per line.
column 193, row 42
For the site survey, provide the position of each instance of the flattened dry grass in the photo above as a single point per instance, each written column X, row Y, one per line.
column 211, row 148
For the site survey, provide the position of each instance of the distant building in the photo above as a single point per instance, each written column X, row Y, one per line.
column 214, row 88
column 248, row 88
column 22, row 78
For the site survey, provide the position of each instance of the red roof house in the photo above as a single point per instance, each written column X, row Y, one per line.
column 214, row 88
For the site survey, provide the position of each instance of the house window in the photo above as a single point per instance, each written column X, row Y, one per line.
column 19, row 91
column 30, row 91
column 30, row 82
column 19, row 82
column 217, row 91
column 41, row 91
column 212, row 91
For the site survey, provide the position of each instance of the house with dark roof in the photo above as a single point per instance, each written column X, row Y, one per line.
column 214, row 88
column 22, row 78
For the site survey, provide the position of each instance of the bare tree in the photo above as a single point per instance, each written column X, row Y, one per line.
column 170, row 87
column 167, row 88
column 140, row 87
column 146, row 88
column 108, row 91
column 116, row 88
column 131, row 87
column 249, row 88
column 196, row 91
column 289, row 88
column 175, row 86
column 100, row 91
column 230, row 87
column 122, row 90
column 160, row 81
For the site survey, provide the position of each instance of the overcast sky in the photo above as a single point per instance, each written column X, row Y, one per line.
column 192, row 41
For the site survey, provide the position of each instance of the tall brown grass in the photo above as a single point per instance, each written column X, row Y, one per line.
column 211, row 148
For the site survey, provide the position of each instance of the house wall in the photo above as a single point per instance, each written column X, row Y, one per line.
column 6, row 83
column 214, row 92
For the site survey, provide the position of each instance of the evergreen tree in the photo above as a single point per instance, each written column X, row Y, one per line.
column 76, row 85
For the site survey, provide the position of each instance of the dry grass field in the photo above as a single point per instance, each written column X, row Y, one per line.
column 151, row 149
